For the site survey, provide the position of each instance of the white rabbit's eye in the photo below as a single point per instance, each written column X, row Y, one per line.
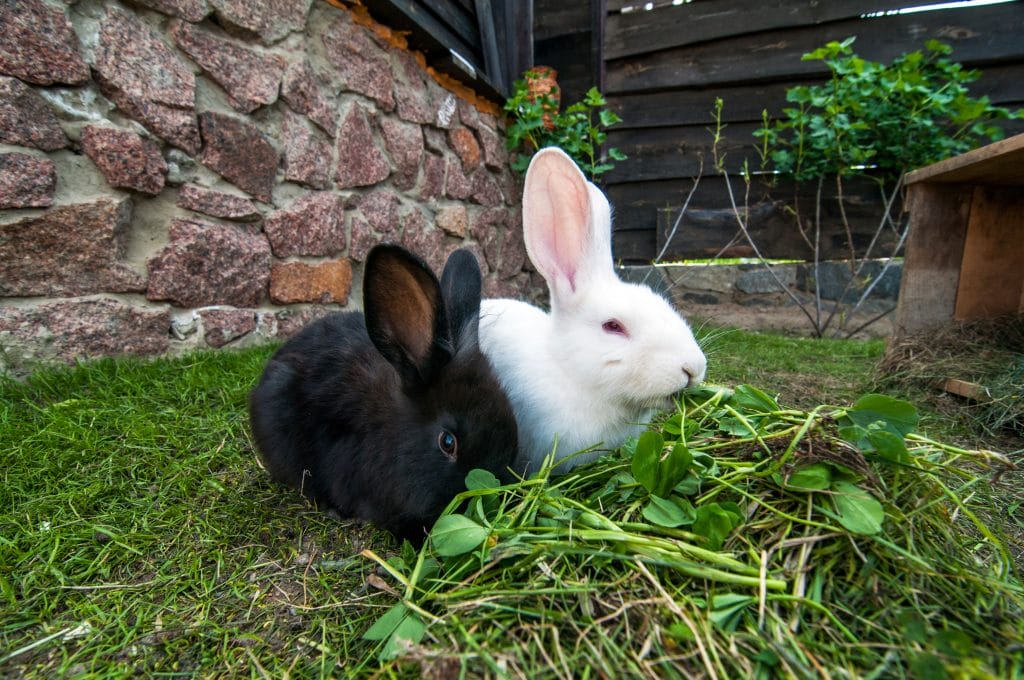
column 614, row 326
column 447, row 443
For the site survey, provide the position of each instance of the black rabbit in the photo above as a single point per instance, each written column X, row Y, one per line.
column 382, row 416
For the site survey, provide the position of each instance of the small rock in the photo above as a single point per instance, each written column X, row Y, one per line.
column 217, row 204
column 453, row 220
column 463, row 142
column 222, row 326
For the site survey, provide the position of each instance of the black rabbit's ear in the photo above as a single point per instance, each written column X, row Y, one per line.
column 460, row 288
column 405, row 315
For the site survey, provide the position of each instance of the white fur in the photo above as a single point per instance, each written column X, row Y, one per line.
column 565, row 375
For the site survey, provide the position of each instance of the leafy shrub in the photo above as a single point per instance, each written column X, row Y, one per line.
column 911, row 113
column 535, row 123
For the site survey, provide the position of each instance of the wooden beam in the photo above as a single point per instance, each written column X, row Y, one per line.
column 931, row 268
column 997, row 164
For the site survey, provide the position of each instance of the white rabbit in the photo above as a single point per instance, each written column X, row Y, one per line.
column 594, row 370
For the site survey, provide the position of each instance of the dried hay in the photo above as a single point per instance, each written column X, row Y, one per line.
column 989, row 352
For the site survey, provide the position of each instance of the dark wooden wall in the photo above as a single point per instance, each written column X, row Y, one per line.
column 567, row 37
column 483, row 43
column 664, row 68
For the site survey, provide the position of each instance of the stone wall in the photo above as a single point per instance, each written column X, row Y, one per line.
column 178, row 174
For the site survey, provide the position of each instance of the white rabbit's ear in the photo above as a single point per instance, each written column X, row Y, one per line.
column 566, row 223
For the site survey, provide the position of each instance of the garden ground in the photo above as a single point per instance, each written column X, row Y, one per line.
column 143, row 538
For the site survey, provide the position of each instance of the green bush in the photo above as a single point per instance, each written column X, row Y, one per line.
column 574, row 130
column 894, row 118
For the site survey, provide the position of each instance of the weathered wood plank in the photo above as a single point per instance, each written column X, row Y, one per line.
column 997, row 164
column 1003, row 84
column 668, row 152
column 979, row 35
column 493, row 62
column 931, row 267
column 992, row 270
column 669, row 26
column 558, row 18
column 709, row 224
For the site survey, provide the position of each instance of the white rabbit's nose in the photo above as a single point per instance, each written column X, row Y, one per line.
column 694, row 375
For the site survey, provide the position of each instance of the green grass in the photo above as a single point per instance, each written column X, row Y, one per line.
column 138, row 535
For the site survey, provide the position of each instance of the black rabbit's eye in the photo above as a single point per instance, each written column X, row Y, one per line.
column 448, row 444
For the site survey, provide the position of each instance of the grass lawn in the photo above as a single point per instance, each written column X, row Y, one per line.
column 138, row 536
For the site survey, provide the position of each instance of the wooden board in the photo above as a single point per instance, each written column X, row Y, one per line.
column 997, row 164
column 978, row 34
column 935, row 246
column 992, row 271
column 743, row 103
column 709, row 226
column 671, row 26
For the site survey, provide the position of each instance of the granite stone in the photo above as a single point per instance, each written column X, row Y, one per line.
column 240, row 153
column 217, row 204
column 83, row 329
column 26, row 181
column 301, row 89
column 361, row 239
column 313, row 225
column 126, row 160
column 210, row 264
column 457, row 186
column 307, row 153
column 250, row 79
column 324, row 283
column 404, row 142
column 88, row 240
column 39, row 45
column 270, row 20
column 359, row 61
column 189, row 10
column 146, row 80
column 26, row 119
column 432, row 181
column 411, row 93
column 380, row 208
column 221, row 326
column 360, row 161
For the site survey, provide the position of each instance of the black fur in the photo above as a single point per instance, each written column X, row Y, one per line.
column 350, row 410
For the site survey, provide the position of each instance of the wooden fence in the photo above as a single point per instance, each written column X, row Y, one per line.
column 663, row 69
